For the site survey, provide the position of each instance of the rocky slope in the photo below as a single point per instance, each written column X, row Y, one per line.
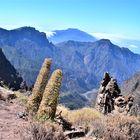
column 8, row 74
column 132, row 87
column 88, row 61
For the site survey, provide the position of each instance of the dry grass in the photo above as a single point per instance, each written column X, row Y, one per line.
column 21, row 98
column 116, row 128
column 81, row 117
column 104, row 127
column 38, row 131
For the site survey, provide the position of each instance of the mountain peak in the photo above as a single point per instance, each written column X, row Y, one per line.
column 25, row 28
column 3, row 29
column 73, row 29
column 71, row 34
column 105, row 42
column 26, row 33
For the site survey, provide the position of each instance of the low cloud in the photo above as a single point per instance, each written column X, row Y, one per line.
column 49, row 34
column 120, row 40
column 113, row 37
column 133, row 46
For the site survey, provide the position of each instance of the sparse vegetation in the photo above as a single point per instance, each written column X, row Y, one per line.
column 101, row 127
column 95, row 124
column 21, row 98
column 116, row 128
column 81, row 117
column 38, row 131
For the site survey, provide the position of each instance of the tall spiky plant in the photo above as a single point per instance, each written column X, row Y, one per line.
column 47, row 108
column 39, row 87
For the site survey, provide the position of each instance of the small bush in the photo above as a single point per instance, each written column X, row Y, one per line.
column 80, row 117
column 65, row 111
column 21, row 98
column 116, row 128
column 84, row 117
column 38, row 131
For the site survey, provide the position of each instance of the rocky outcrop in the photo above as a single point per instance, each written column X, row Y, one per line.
column 123, row 104
column 110, row 100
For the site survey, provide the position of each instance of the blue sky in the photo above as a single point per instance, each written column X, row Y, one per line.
column 119, row 18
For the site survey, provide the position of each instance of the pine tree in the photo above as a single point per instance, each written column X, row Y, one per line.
column 39, row 87
column 47, row 108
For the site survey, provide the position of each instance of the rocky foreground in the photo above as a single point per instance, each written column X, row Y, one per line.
column 16, row 125
column 10, row 124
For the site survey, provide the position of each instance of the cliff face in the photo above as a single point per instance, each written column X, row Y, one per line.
column 26, row 48
column 8, row 74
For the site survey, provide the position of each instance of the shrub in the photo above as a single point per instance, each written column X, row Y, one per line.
column 65, row 111
column 39, row 87
column 80, row 117
column 38, row 131
column 48, row 105
column 21, row 98
column 84, row 116
column 116, row 128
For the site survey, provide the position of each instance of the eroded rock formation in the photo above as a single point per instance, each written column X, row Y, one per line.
column 110, row 100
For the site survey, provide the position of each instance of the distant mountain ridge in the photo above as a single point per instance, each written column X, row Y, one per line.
column 93, row 59
column 70, row 34
column 23, row 46
column 83, row 63
column 10, row 37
